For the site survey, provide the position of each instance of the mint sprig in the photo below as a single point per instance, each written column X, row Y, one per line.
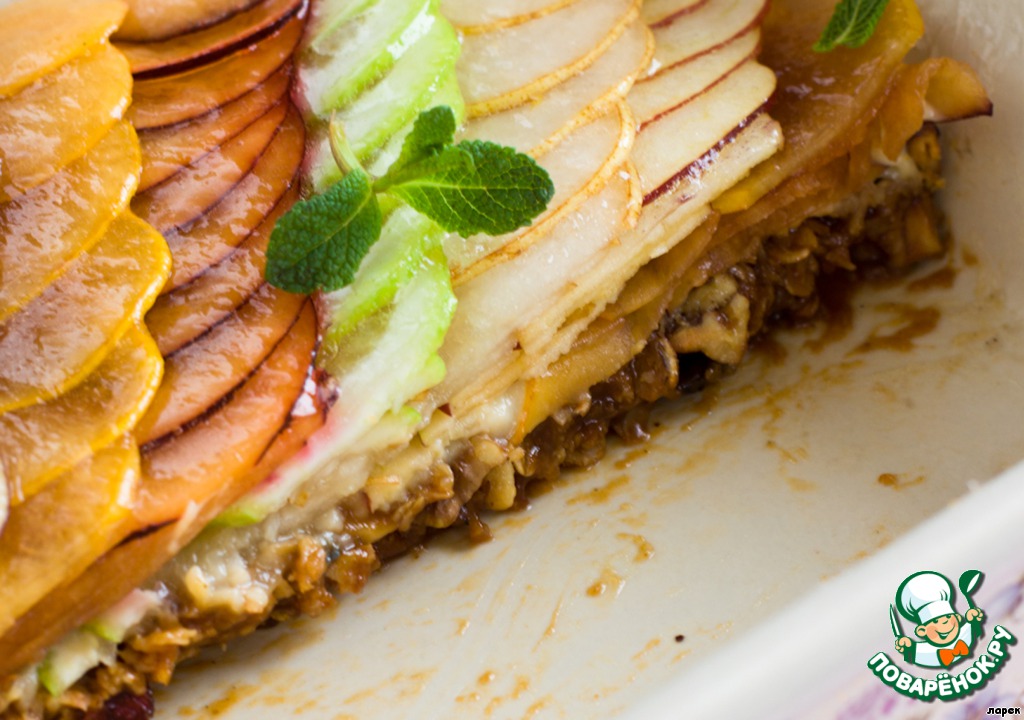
column 852, row 24
column 468, row 187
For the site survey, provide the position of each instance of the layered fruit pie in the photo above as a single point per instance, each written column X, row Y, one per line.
column 287, row 286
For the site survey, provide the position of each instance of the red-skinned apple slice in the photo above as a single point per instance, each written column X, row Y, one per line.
column 705, row 29
column 55, row 121
column 666, row 91
column 680, row 137
column 166, row 151
column 472, row 17
column 226, row 225
column 222, row 447
column 38, row 36
column 64, row 334
column 154, row 20
column 502, row 69
column 40, row 442
column 173, row 99
column 536, row 127
column 188, row 194
column 579, row 166
column 43, row 231
column 657, row 12
column 182, row 52
column 179, row 317
column 198, row 375
column 86, row 511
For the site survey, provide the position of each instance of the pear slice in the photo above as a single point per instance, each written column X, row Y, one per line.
column 173, row 99
column 167, row 150
column 227, row 224
column 180, row 52
column 706, row 28
column 668, row 90
column 502, row 69
column 43, row 231
column 180, row 316
column 154, row 20
column 579, row 166
column 189, row 193
column 668, row 146
column 55, row 121
column 657, row 12
column 38, row 36
column 54, row 536
column 64, row 334
column 200, row 374
column 472, row 17
column 536, row 127
column 40, row 442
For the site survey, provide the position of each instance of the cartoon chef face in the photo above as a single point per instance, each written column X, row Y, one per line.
column 941, row 631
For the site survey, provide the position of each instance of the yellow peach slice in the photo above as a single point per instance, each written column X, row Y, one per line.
column 188, row 194
column 149, row 20
column 40, row 442
column 165, row 151
column 64, row 334
column 43, row 231
column 57, row 119
column 53, row 537
column 168, row 100
column 38, row 36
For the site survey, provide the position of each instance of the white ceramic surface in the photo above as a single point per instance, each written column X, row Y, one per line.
column 740, row 509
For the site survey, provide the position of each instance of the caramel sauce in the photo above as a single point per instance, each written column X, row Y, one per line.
column 609, row 581
column 916, row 322
column 943, row 278
column 898, row 482
column 601, row 495
column 644, row 549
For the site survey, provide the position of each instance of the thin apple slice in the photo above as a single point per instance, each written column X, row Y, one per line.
column 179, row 317
column 657, row 12
column 165, row 151
column 705, row 29
column 472, row 17
column 38, row 36
column 40, row 442
column 198, row 375
column 43, row 231
column 579, row 166
column 669, row 145
column 536, row 127
column 182, row 52
column 154, row 20
column 190, row 193
column 173, row 99
column 503, row 69
column 666, row 91
column 64, row 334
column 219, row 451
column 818, row 127
column 56, row 120
column 228, row 223
column 58, row 533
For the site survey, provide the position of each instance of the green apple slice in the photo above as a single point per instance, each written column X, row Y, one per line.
column 348, row 51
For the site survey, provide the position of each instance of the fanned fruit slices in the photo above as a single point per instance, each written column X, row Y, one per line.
column 79, row 273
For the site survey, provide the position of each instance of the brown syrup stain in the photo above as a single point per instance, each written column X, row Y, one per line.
column 230, row 699
column 899, row 482
column 521, row 686
column 644, row 549
column 914, row 323
column 969, row 258
column 800, row 485
column 767, row 347
column 462, row 627
column 537, row 707
column 942, row 279
column 610, row 581
column 790, row 456
column 601, row 495
column 631, row 457
column 651, row 645
column 703, row 407
column 552, row 629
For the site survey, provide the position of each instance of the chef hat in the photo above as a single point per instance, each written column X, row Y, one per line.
column 925, row 596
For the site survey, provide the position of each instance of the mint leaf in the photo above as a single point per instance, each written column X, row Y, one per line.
column 475, row 186
column 320, row 242
column 433, row 130
column 852, row 24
